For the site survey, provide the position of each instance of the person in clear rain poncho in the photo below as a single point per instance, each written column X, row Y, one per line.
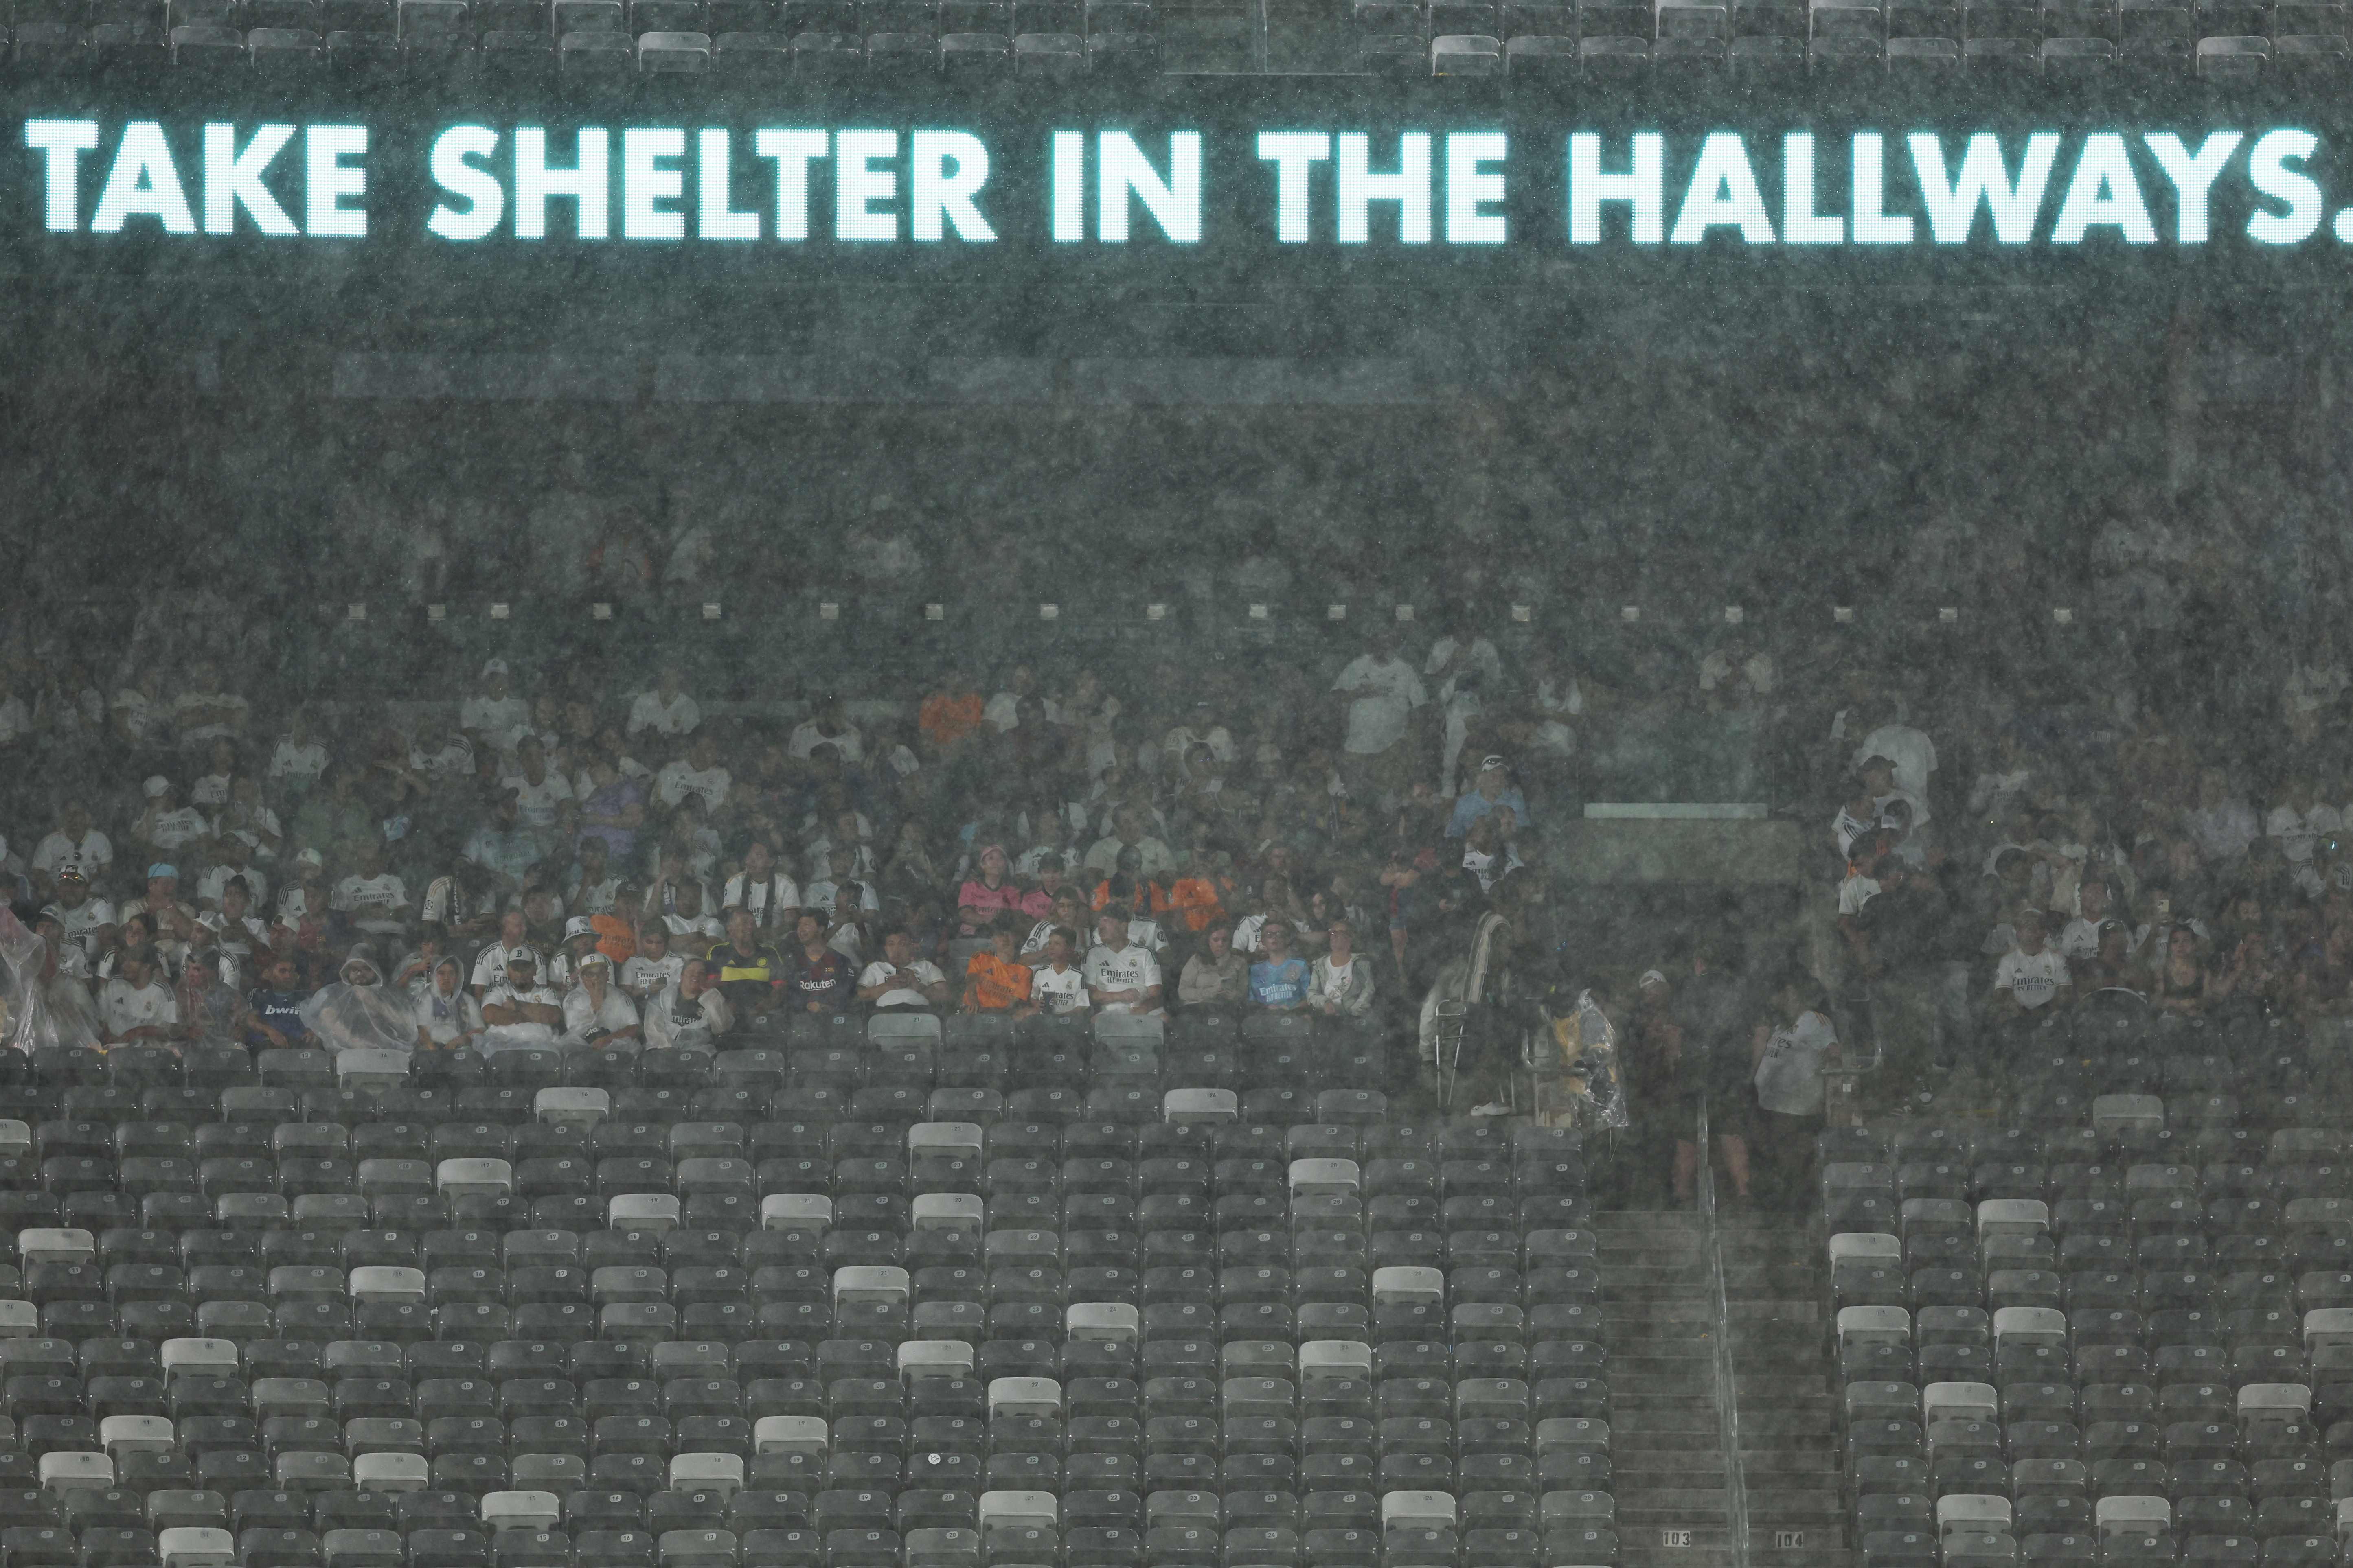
column 359, row 1012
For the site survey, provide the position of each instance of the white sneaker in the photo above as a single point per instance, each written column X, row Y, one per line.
column 1493, row 1107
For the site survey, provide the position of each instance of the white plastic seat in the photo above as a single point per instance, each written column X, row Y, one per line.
column 52, row 1244
column 474, row 1178
column 2012, row 1217
column 502, row 1511
column 1019, row 1511
column 1324, row 1178
column 65, row 1470
column 203, row 1357
column 1111, row 1027
column 935, row 1358
column 790, row 1435
column 572, row 1107
column 1958, row 1401
column 1183, row 1105
column 944, row 1138
column 1865, row 1247
column 1961, row 1512
column 948, row 1211
column 120, row 1435
column 795, row 1211
column 2275, row 1401
column 2327, row 1326
column 1024, row 1396
column 721, row 1473
column 1326, row 1361
column 902, row 1023
column 371, row 1068
column 657, row 1212
column 1874, row 1326
column 388, row 1282
column 1114, row 1321
column 1417, row 1510
column 884, row 1283
column 2344, row 1517
column 193, row 1546
column 19, row 1319
column 2116, row 1112
column 1404, row 1284
column 15, row 1137
column 2146, row 1515
column 391, row 1472
column 2029, row 1326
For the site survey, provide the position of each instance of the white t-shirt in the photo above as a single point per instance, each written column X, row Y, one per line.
column 2080, row 939
column 197, row 701
column 916, row 972
column 174, row 828
column 490, row 965
column 766, row 899
column 213, row 883
column 678, row 716
column 583, row 1018
column 1336, row 979
column 646, row 976
column 1132, row 968
column 1059, row 990
column 677, row 780
column 123, row 1006
column 1854, row 892
column 1387, row 693
column 372, row 901
column 2298, row 833
column 2032, row 978
column 57, row 851
column 535, row 804
column 453, row 759
column 807, row 738
column 444, row 1018
column 706, row 927
column 1913, row 754
column 1789, row 1074
column 599, row 898
column 504, row 996
column 289, row 760
column 212, row 789
column 499, row 720
column 84, row 918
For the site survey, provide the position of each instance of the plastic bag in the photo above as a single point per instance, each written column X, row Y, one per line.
column 37, row 1012
column 1589, row 1090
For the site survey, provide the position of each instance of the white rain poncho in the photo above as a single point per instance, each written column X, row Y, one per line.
column 38, row 1011
column 359, row 1012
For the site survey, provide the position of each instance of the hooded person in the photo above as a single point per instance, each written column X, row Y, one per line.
column 448, row 1018
column 358, row 1011
column 691, row 1011
column 42, row 1004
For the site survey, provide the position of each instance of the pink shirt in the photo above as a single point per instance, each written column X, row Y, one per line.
column 976, row 895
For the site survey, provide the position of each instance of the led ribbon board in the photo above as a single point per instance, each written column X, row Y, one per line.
column 794, row 189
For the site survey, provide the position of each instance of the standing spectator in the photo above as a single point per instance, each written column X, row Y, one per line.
column 1911, row 754
column 1384, row 689
column 204, row 712
column 2223, row 825
column 495, row 718
column 899, row 979
column 667, row 710
column 1278, row 981
column 1790, row 1046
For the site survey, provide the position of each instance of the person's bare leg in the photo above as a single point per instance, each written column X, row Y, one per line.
column 1686, row 1169
column 1735, row 1163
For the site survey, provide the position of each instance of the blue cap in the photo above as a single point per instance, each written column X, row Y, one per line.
column 161, row 869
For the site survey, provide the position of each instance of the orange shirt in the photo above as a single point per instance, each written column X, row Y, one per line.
column 992, row 984
column 947, row 720
column 1158, row 899
column 614, row 939
column 1196, row 899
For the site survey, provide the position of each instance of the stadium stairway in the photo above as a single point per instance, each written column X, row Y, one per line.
column 1658, row 1299
column 1787, row 1419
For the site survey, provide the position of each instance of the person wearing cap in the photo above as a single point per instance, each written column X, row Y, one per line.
column 1491, row 790
column 135, row 1004
column 597, row 1012
column 665, row 709
column 232, row 862
column 1911, row 758
column 581, row 938
column 519, row 1012
column 87, row 920
column 163, row 893
column 511, row 945
column 165, row 823
column 494, row 718
column 73, row 842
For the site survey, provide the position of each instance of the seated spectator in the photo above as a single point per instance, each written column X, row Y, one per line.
column 247, row 818
column 2179, row 985
column 1215, row 976
column 449, row 1018
column 1128, row 832
column 852, row 832
column 371, row 898
column 592, row 885
column 211, row 788
column 1122, row 977
column 692, row 931
column 2080, row 938
column 997, row 981
column 691, row 1011
column 1196, row 899
column 204, row 713
column 666, row 710
column 581, row 938
column 1340, row 983
column 696, row 776
column 846, row 904
column 1277, row 981
column 273, row 1008
column 538, row 790
column 653, row 968
column 494, row 718
column 950, row 714
column 73, row 842
column 337, row 820
column 899, row 979
column 751, row 972
column 765, row 888
column 437, row 755
column 87, row 922
column 237, row 932
column 613, row 807
column 502, row 845
column 819, row 978
column 135, row 1004
column 520, row 1011
column 1038, row 902
column 1492, row 788
column 987, row 894
column 597, row 1012
column 828, row 726
column 1069, row 912
column 2108, row 965
column 166, row 825
column 1057, row 983
column 1488, row 853
column 232, row 862
column 163, row 893
column 2221, row 826
column 297, row 760
column 2034, row 975
column 512, row 946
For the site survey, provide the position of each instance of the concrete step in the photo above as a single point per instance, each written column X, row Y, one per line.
column 1687, row 1551
column 1695, row 1419
column 1789, row 1505
column 1782, row 1389
column 1668, row 1505
column 1783, row 1464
